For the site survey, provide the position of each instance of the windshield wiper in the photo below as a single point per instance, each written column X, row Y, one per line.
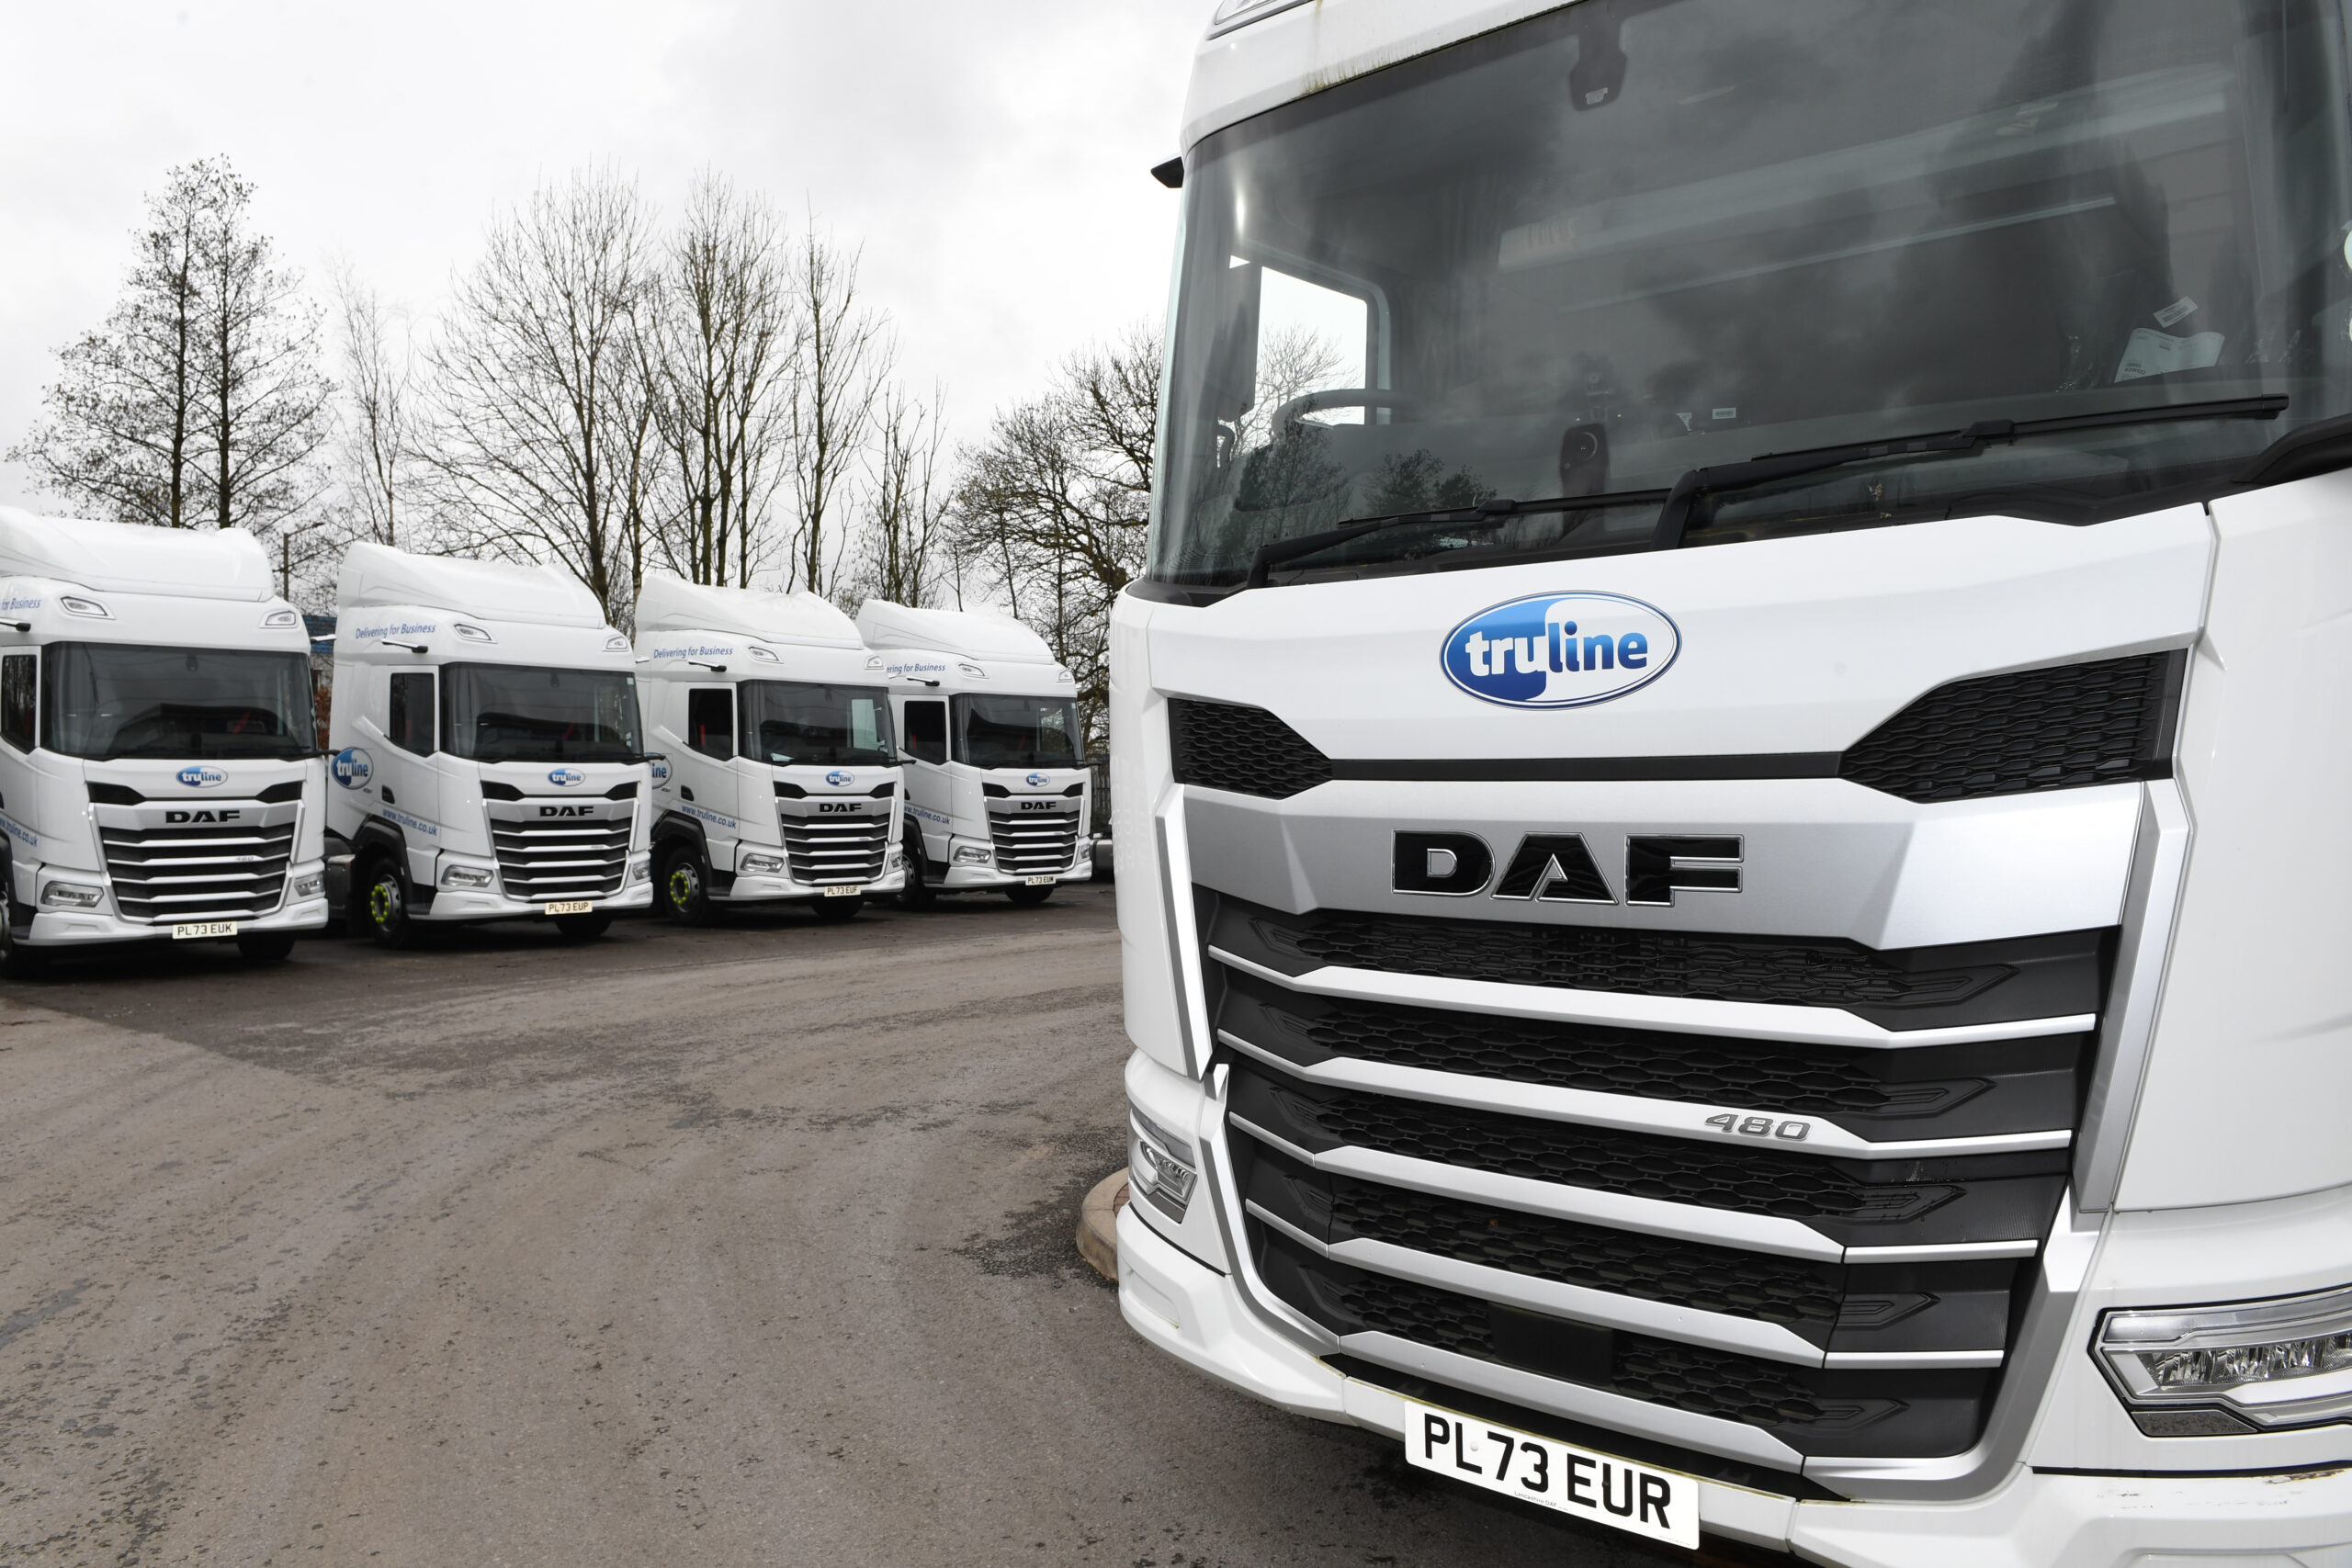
column 1485, row 515
column 1674, row 517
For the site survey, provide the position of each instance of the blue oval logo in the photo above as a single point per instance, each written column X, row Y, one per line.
column 1036, row 781
column 352, row 768
column 840, row 780
column 566, row 777
column 660, row 766
column 1561, row 650
column 199, row 777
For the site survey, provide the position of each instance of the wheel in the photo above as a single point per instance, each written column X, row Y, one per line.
column 19, row 962
column 1028, row 896
column 582, row 927
column 685, row 886
column 833, row 911
column 917, row 893
column 383, row 906
column 265, row 947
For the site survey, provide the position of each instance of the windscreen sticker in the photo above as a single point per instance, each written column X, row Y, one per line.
column 398, row 628
column 2157, row 354
column 415, row 824
column 2178, row 310
column 694, row 650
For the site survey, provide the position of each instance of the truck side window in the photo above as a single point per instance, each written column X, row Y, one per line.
column 19, row 680
column 710, row 721
column 927, row 731
column 408, row 718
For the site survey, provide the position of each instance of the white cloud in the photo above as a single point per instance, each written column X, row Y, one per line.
column 991, row 156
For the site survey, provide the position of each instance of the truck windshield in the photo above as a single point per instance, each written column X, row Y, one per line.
column 1017, row 732
column 108, row 700
column 1628, row 238
column 812, row 723
column 512, row 713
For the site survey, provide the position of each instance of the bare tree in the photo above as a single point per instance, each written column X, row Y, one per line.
column 721, row 348
column 539, row 449
column 1054, row 505
column 906, row 552
column 846, row 356
column 378, row 441
column 198, row 399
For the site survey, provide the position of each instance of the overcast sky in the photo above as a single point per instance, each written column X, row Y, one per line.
column 989, row 154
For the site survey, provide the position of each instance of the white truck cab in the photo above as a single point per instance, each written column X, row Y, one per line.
column 488, row 762
column 1730, row 754
column 775, row 771
column 159, row 766
column 999, row 793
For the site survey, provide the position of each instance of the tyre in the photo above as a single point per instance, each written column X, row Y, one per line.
column 1028, row 896
column 685, row 886
column 918, row 893
column 582, row 927
column 265, row 947
column 19, row 962
column 833, row 911
column 383, row 905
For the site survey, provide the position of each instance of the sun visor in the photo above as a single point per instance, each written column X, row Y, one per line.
column 981, row 634
column 132, row 558
column 493, row 590
column 668, row 604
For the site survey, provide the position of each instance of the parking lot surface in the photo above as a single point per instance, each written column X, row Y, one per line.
column 749, row 1245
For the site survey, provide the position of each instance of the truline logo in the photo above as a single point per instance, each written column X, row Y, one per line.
column 201, row 777
column 1035, row 781
column 1560, row 650
column 352, row 768
column 660, row 766
column 566, row 777
column 840, row 780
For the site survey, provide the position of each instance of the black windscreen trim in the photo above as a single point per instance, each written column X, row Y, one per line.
column 1577, row 769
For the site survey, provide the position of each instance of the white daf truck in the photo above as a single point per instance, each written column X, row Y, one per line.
column 1000, row 796
column 487, row 758
column 775, row 772
column 159, row 764
column 1732, row 763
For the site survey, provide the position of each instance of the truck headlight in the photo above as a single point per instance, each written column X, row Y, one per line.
column 641, row 870
column 466, row 876
column 1160, row 1166
column 71, row 896
column 974, row 854
column 309, row 884
column 2250, row 1366
column 762, row 865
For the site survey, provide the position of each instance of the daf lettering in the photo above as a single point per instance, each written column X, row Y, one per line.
column 567, row 811
column 1559, row 868
column 177, row 817
column 839, row 807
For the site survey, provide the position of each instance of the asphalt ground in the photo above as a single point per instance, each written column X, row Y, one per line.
column 751, row 1245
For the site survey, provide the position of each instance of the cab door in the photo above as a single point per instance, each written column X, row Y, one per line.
column 406, row 782
column 928, row 799
column 708, row 785
column 19, row 731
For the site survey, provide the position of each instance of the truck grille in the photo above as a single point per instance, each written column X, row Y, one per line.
column 581, row 855
column 233, row 871
column 1034, row 844
column 844, row 850
column 1400, row 1193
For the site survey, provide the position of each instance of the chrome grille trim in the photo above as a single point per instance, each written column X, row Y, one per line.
column 835, row 850
column 582, row 855
column 1034, row 843
column 162, row 873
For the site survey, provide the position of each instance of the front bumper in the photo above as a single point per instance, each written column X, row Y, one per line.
column 452, row 905
column 2035, row 1519
column 93, row 928
column 1081, row 869
column 755, row 889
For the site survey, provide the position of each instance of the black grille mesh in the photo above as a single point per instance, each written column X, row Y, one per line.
column 1661, row 963
column 1733, row 1177
column 2078, row 724
column 1626, row 1263
column 1688, row 1068
column 1705, row 1382
column 1245, row 749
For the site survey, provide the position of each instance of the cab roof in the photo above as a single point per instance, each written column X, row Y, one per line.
column 488, row 590
column 980, row 635
column 670, row 603
column 134, row 558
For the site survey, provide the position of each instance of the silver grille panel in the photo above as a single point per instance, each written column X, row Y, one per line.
column 829, row 849
column 165, row 868
column 562, row 848
column 1033, row 843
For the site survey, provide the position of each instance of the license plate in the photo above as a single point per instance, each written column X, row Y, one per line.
column 570, row 907
column 1660, row 1504
column 203, row 928
column 842, row 892
column 1041, row 881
